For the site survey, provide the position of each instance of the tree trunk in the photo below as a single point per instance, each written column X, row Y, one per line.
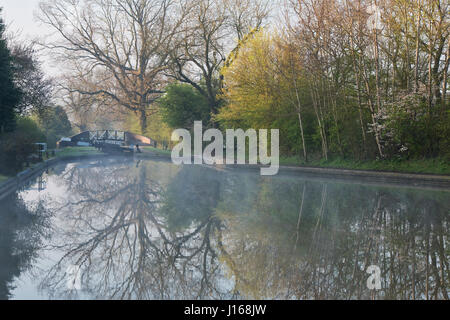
column 356, row 67
column 373, row 114
column 416, row 67
column 377, row 70
column 315, row 99
column 143, row 121
column 430, row 75
column 332, row 100
column 299, row 107
column 444, row 83
column 408, row 63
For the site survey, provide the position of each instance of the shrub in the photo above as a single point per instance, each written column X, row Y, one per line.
column 16, row 147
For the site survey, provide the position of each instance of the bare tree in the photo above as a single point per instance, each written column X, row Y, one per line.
column 210, row 30
column 245, row 15
column 115, row 48
column 81, row 110
column 37, row 89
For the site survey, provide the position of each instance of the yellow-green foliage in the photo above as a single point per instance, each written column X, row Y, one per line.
column 259, row 91
column 235, row 52
column 251, row 85
column 156, row 128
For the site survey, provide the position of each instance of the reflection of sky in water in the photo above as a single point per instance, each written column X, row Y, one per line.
column 26, row 287
column 152, row 230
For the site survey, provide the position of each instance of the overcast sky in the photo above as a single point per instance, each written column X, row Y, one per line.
column 19, row 16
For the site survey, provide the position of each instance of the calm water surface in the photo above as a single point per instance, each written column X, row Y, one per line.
column 152, row 230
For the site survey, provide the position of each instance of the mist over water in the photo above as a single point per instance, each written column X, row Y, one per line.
column 154, row 230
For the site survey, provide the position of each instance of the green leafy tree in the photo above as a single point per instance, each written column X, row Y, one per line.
column 30, row 128
column 36, row 88
column 182, row 105
column 55, row 123
column 10, row 95
column 17, row 146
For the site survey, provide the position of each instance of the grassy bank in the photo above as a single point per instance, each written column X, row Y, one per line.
column 63, row 153
column 82, row 151
column 77, row 151
column 155, row 150
column 433, row 166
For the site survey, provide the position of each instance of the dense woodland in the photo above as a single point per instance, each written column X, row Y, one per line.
column 355, row 79
column 28, row 113
column 345, row 79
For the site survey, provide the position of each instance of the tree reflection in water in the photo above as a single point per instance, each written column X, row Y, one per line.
column 117, row 227
column 150, row 230
column 319, row 246
column 22, row 230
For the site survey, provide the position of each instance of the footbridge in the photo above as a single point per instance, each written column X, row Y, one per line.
column 99, row 138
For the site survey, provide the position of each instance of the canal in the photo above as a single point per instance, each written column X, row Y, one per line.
column 126, row 229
